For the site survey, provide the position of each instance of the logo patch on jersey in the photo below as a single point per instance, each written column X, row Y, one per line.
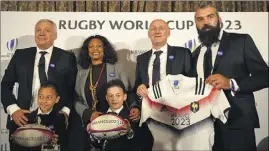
column 163, row 109
column 176, row 84
column 194, row 107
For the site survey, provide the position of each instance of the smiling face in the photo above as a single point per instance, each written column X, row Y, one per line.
column 158, row 33
column 47, row 98
column 115, row 97
column 45, row 34
column 96, row 49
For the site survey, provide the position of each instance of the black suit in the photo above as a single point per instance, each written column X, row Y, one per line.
column 239, row 58
column 179, row 61
column 123, row 143
column 53, row 120
column 62, row 71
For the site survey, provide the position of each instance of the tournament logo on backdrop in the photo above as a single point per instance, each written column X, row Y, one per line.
column 11, row 47
column 191, row 44
column 12, row 44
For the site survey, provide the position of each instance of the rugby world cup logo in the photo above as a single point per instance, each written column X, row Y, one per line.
column 191, row 44
column 12, row 44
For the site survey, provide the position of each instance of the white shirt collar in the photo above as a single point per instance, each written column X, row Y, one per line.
column 163, row 48
column 117, row 111
column 40, row 112
column 220, row 34
column 49, row 50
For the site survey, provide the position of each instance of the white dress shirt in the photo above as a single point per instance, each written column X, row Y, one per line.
column 117, row 111
column 163, row 61
column 36, row 83
column 40, row 112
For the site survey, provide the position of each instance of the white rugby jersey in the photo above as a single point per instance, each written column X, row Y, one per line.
column 181, row 108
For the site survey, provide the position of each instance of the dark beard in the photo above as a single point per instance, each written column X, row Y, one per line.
column 208, row 37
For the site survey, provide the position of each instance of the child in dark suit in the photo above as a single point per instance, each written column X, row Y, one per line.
column 48, row 96
column 116, row 96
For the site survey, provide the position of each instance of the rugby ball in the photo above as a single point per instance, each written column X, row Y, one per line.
column 32, row 135
column 107, row 126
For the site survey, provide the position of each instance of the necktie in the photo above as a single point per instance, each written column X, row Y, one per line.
column 156, row 68
column 208, row 62
column 41, row 68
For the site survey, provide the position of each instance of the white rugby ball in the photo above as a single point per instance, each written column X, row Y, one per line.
column 107, row 126
column 32, row 135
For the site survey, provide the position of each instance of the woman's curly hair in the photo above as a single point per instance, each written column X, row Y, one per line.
column 110, row 55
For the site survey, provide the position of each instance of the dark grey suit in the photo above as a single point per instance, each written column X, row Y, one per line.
column 81, row 102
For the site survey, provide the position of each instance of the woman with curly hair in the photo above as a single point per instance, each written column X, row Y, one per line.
column 97, row 65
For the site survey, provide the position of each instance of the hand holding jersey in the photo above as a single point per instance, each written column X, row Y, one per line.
column 185, row 104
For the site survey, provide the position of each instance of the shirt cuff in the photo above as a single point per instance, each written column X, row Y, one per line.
column 236, row 87
column 66, row 110
column 12, row 108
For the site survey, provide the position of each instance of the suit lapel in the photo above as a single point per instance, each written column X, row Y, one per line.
column 195, row 56
column 170, row 58
column 196, row 53
column 145, row 68
column 223, row 47
column 31, row 63
column 84, row 73
column 124, row 113
column 110, row 72
column 55, row 57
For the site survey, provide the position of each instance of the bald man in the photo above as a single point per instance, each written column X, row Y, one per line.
column 155, row 64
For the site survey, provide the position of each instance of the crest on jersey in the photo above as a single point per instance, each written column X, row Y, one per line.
column 164, row 109
column 176, row 84
column 194, row 107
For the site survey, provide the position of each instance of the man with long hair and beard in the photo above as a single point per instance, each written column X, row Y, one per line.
column 231, row 62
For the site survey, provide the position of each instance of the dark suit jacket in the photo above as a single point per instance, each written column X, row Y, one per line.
column 240, row 58
column 122, row 143
column 62, row 71
column 53, row 120
column 181, row 63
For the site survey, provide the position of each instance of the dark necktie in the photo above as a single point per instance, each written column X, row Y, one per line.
column 208, row 62
column 41, row 68
column 156, row 68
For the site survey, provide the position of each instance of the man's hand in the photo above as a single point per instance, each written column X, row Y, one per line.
column 19, row 118
column 127, row 130
column 66, row 118
column 134, row 114
column 219, row 81
column 55, row 139
column 95, row 115
column 126, row 127
column 142, row 90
